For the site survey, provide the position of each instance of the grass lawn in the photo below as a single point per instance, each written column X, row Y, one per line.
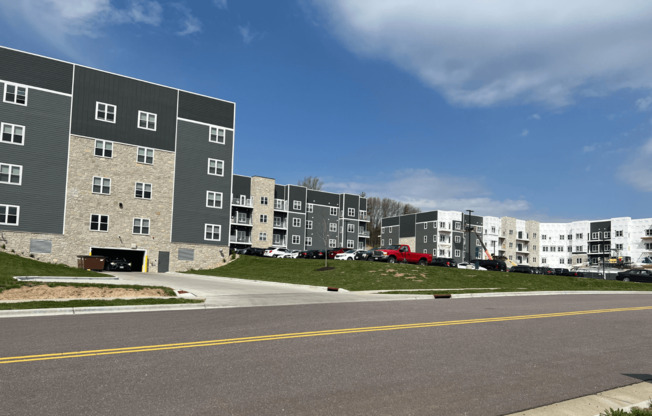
column 12, row 265
column 365, row 275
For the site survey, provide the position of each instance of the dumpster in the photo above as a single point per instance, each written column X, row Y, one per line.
column 91, row 262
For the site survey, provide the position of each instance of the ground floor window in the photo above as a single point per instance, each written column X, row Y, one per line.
column 9, row 214
column 141, row 226
column 99, row 222
column 296, row 239
column 212, row 232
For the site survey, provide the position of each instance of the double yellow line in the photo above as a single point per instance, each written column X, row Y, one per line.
column 228, row 341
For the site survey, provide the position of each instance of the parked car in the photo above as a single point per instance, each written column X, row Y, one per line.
column 543, row 270
column 365, row 254
column 275, row 252
column 315, row 254
column 332, row 253
column 401, row 253
column 496, row 265
column 347, row 255
column 470, row 266
column 636, row 275
column 521, row 269
column 255, row 251
column 304, row 254
column 443, row 262
column 562, row 272
column 118, row 264
column 291, row 254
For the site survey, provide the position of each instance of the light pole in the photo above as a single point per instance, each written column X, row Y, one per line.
column 468, row 229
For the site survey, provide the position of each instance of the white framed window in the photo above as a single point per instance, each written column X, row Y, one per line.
column 458, row 226
column 143, row 190
column 105, row 112
column 215, row 167
column 579, row 236
column 15, row 94
column 425, row 238
column 262, row 236
column 607, row 234
column 296, row 222
column 382, row 242
column 99, row 222
column 434, row 238
column 212, row 232
column 579, row 248
column 103, row 148
column 442, row 224
column 458, row 239
column 425, row 225
column 13, row 133
column 296, row 239
column 595, row 236
column 350, row 228
column 308, row 224
column 390, row 242
column 101, row 185
column 310, row 207
column 213, row 199
column 561, row 261
column 619, row 233
column 544, row 260
column 145, row 155
column 351, row 212
column 9, row 214
column 309, row 241
column 334, row 211
column 350, row 244
column 146, row 120
column 390, row 230
column 607, row 248
column 561, row 237
column 264, row 200
column 263, row 218
column 11, row 174
column 331, row 243
column 296, row 205
column 458, row 253
column 619, row 246
column 217, row 135
column 332, row 227
column 543, row 236
column 141, row 226
column 578, row 260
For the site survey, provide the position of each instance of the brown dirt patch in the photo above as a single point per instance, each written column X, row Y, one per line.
column 39, row 292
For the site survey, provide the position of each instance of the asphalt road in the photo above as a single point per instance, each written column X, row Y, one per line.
column 486, row 356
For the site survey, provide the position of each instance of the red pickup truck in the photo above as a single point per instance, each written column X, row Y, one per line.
column 401, row 253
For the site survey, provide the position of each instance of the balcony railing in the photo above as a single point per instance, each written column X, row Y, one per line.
column 363, row 233
column 241, row 220
column 647, row 233
column 242, row 202
column 280, row 204
column 281, row 224
column 279, row 242
column 240, row 240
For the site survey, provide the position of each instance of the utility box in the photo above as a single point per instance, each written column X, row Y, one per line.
column 91, row 262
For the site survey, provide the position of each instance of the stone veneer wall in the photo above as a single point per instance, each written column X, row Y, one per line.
column 532, row 228
column 262, row 187
column 410, row 241
column 506, row 224
column 124, row 171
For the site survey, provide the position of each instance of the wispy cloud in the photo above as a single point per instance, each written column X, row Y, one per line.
column 479, row 53
column 247, row 34
column 525, row 132
column 429, row 191
column 643, row 104
column 637, row 169
column 589, row 148
column 221, row 4
column 534, row 117
column 189, row 23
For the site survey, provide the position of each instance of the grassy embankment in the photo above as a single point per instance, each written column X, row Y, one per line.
column 12, row 265
column 363, row 275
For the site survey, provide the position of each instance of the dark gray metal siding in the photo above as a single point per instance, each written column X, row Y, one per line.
column 322, row 198
column 407, row 223
column 457, row 246
column 300, row 231
column 280, row 192
column 363, row 204
column 241, row 186
column 297, row 193
column 391, row 232
column 351, row 201
column 346, row 235
column 320, row 233
column 427, row 232
column 129, row 96
column 44, row 158
column 427, row 216
column 389, row 221
column 37, row 71
column 207, row 110
column 192, row 181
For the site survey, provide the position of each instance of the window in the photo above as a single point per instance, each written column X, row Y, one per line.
column 443, row 238
column 579, row 248
column 262, row 237
column 578, row 261
column 619, row 233
column 569, row 248
column 296, row 205
column 458, row 226
column 213, row 199
column 212, row 232
column 382, row 242
column 595, row 236
column 11, row 174
column 15, row 94
column 607, row 234
column 309, row 224
column 99, row 222
column 458, row 253
column 458, row 239
column 145, row 155
column 215, row 167
column 296, row 222
column 333, row 210
column 103, row 148
column 543, row 260
column 534, row 235
column 561, row 261
column 309, row 241
column 561, row 237
column 595, row 248
column 619, row 246
column 146, row 120
column 511, row 232
column 425, row 238
column 390, row 241
column 296, row 239
column 101, row 185
column 425, row 225
column 511, row 245
column 105, row 112
column 607, row 248
column 442, row 224
column 9, row 214
column 263, row 200
column 141, row 226
column 332, row 242
column 493, row 230
column 434, row 238
column 332, row 227
column 648, row 246
column 350, row 228
column 552, row 249
column 579, row 236
column 263, row 218
column 351, row 212
column 12, row 133
column 570, row 237
column 217, row 135
column 350, row 244
column 544, row 248
column 143, row 190
column 544, row 237
column 309, row 207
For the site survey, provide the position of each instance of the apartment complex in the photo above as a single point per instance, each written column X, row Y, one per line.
column 265, row 214
column 579, row 243
column 94, row 162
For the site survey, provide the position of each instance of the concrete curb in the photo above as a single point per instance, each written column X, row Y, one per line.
column 17, row 313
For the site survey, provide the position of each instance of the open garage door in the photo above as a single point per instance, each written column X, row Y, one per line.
column 124, row 259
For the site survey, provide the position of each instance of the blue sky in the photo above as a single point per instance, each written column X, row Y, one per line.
column 538, row 110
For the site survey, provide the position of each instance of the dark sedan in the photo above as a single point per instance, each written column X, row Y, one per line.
column 522, row 269
column 636, row 275
column 443, row 262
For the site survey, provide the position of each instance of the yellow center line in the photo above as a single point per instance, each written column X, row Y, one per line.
column 275, row 337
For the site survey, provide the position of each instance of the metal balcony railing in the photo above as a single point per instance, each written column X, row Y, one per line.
column 242, row 202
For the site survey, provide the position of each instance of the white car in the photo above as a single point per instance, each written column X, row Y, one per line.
column 470, row 266
column 275, row 252
column 347, row 255
column 290, row 254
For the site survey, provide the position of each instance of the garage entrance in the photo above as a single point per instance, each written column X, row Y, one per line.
column 135, row 257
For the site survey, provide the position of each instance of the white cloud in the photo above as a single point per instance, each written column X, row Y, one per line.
column 642, row 104
column 428, row 191
column 221, row 4
column 525, row 132
column 534, row 117
column 190, row 24
column 589, row 148
column 247, row 34
column 637, row 170
column 479, row 53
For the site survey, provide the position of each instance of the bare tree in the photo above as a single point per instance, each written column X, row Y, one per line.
column 311, row 182
column 378, row 208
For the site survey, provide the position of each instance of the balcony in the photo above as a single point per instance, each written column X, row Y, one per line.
column 281, row 224
column 240, row 240
column 522, row 236
column 647, row 233
column 363, row 233
column 280, row 205
column 241, row 221
column 280, row 242
column 242, row 202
